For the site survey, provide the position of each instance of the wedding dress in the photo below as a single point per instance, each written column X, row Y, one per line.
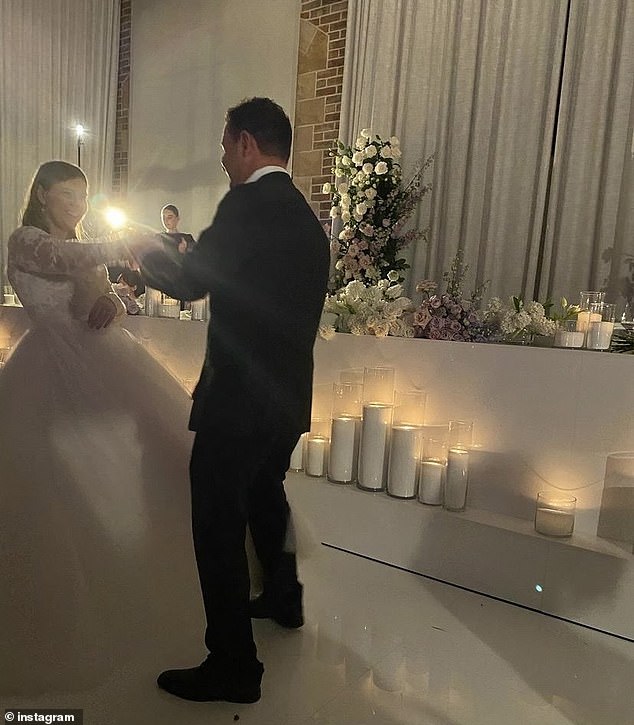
column 96, row 554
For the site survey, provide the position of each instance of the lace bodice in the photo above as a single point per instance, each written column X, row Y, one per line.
column 58, row 280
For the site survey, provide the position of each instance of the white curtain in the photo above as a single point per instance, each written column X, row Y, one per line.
column 477, row 82
column 591, row 210
column 58, row 68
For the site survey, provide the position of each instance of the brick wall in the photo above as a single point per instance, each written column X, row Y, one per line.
column 322, row 40
column 120, row 166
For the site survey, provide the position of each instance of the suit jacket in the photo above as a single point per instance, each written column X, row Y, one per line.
column 264, row 261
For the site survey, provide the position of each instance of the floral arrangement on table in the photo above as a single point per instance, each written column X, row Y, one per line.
column 449, row 315
column 519, row 321
column 379, row 309
column 369, row 197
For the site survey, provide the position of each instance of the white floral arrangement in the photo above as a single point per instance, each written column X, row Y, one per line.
column 379, row 310
column 369, row 198
column 517, row 318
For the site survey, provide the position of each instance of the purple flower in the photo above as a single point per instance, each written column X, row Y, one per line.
column 435, row 302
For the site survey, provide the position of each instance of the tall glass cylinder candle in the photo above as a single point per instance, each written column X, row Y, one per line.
column 345, row 432
column 402, row 477
column 433, row 467
column 374, row 446
column 457, row 479
column 599, row 332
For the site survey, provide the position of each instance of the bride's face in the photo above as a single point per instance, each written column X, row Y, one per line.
column 65, row 204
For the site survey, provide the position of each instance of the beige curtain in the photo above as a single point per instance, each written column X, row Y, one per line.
column 477, row 82
column 591, row 209
column 58, row 68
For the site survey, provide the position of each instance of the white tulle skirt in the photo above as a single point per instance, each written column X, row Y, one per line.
column 96, row 552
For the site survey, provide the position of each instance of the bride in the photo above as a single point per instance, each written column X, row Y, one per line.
column 94, row 498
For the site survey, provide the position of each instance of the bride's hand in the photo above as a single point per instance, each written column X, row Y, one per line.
column 102, row 313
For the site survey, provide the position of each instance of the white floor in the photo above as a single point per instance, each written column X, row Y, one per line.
column 386, row 647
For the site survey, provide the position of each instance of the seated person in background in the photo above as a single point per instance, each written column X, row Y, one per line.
column 170, row 216
column 128, row 287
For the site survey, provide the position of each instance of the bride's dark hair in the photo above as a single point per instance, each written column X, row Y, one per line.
column 49, row 173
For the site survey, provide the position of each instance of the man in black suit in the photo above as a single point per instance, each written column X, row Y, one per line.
column 264, row 262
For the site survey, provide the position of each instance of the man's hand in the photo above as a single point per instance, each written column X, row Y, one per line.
column 102, row 313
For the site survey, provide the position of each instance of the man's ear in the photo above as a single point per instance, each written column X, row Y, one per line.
column 40, row 195
column 247, row 143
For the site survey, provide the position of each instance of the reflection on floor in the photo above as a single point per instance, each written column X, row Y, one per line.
column 385, row 647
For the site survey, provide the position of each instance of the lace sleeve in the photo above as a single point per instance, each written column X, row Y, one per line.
column 34, row 250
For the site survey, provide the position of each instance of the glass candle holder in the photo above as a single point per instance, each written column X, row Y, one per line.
column 433, row 467
column 351, row 375
column 345, row 432
column 409, row 407
column 585, row 300
column 600, row 326
column 378, row 385
column 555, row 514
column 374, row 446
column 567, row 335
column 321, row 404
column 457, row 480
column 460, row 433
column 316, row 455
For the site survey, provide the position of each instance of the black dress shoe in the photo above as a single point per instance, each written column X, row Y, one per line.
column 283, row 606
column 211, row 682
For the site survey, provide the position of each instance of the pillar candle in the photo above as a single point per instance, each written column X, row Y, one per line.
column 403, row 467
column 430, row 487
column 316, row 456
column 344, row 446
column 567, row 338
column 599, row 335
column 584, row 318
column 457, row 476
column 373, row 450
column 552, row 522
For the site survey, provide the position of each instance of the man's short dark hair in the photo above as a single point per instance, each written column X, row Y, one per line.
column 266, row 121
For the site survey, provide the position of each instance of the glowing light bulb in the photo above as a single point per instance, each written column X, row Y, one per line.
column 79, row 130
column 115, row 217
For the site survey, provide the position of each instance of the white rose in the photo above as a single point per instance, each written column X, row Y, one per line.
column 394, row 141
column 361, row 178
column 345, row 161
column 357, row 157
column 366, row 133
column 393, row 275
column 386, row 152
column 343, row 187
column 368, row 168
column 345, row 216
column 326, row 188
column 396, row 153
column 334, row 212
column 360, row 143
column 370, row 151
column 361, row 208
column 358, row 217
column 370, row 193
column 345, row 200
column 381, row 168
column 339, row 172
